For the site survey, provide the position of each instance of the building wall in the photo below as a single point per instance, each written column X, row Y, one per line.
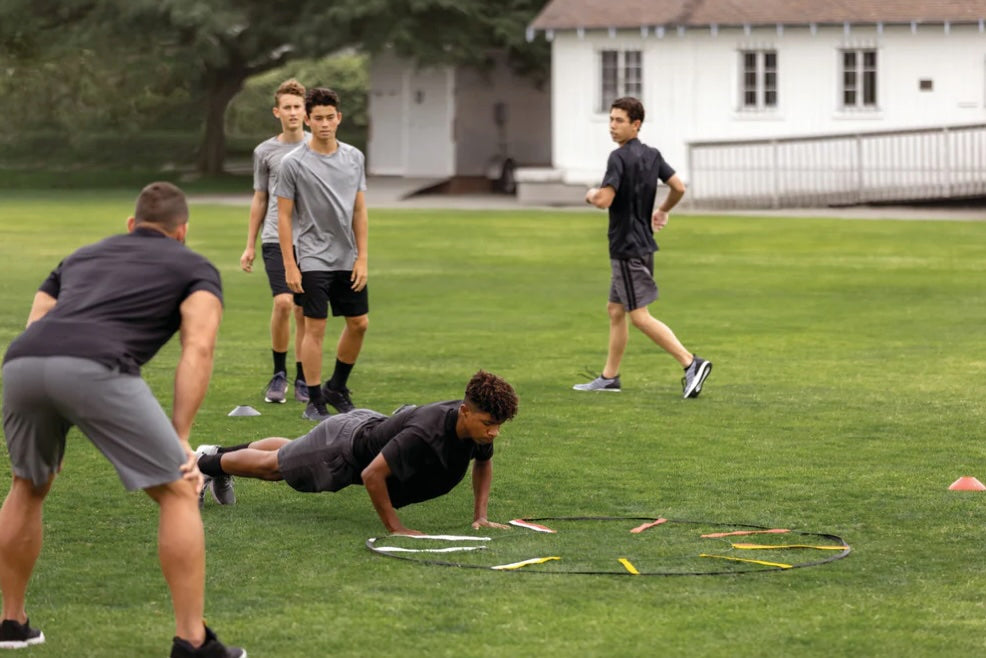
column 691, row 87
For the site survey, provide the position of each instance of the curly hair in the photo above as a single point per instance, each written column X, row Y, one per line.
column 292, row 87
column 320, row 96
column 493, row 395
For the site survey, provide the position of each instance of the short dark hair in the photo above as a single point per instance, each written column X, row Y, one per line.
column 320, row 96
column 162, row 204
column 633, row 107
column 493, row 395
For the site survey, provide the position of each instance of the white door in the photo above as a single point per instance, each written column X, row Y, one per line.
column 429, row 112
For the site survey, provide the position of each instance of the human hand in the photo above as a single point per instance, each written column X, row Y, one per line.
column 485, row 523
column 359, row 275
column 246, row 260
column 591, row 194
column 659, row 220
column 190, row 470
column 292, row 276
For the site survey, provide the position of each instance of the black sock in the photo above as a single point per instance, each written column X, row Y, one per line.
column 280, row 361
column 340, row 376
column 299, row 371
column 210, row 465
column 315, row 394
column 223, row 450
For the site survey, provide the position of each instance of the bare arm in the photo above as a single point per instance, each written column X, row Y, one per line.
column 258, row 210
column 676, row 191
column 201, row 313
column 43, row 302
column 482, row 477
column 375, row 480
column 292, row 275
column 600, row 197
column 361, row 233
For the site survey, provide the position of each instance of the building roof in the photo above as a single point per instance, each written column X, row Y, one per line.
column 603, row 14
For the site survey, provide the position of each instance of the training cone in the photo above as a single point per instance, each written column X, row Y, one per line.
column 967, row 483
column 244, row 410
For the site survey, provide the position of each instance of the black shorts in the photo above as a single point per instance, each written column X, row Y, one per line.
column 335, row 288
column 274, row 265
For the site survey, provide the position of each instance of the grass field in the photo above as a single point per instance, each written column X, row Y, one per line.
column 847, row 395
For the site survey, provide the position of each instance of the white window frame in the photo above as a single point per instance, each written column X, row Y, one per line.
column 764, row 84
column 859, row 78
column 621, row 73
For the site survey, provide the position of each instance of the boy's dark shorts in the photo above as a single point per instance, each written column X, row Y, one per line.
column 323, row 289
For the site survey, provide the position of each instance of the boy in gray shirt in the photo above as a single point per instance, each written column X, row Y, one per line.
column 322, row 213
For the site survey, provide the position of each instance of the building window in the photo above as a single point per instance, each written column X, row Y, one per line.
column 622, row 74
column 759, row 79
column 858, row 79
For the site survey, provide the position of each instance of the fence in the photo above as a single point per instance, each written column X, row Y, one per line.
column 945, row 162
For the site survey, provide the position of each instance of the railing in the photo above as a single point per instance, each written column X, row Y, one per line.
column 946, row 162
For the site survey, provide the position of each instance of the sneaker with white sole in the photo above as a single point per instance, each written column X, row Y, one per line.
column 211, row 648
column 277, row 388
column 695, row 375
column 202, row 450
column 15, row 635
column 600, row 383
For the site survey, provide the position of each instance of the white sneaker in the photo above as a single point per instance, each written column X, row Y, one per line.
column 600, row 383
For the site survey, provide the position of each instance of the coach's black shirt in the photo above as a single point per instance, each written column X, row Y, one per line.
column 118, row 300
column 633, row 171
column 426, row 457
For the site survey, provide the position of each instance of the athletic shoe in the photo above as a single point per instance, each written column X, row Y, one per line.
column 276, row 388
column 695, row 374
column 205, row 449
column 222, row 490
column 15, row 635
column 300, row 390
column 315, row 411
column 338, row 399
column 600, row 383
column 212, row 648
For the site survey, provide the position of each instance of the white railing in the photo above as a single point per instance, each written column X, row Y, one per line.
column 946, row 162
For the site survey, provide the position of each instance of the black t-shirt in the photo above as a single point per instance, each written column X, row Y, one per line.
column 118, row 300
column 633, row 171
column 426, row 457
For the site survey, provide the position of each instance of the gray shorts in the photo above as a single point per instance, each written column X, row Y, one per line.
column 633, row 282
column 43, row 397
column 323, row 460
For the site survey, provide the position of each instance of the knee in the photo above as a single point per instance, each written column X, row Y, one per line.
column 283, row 304
column 358, row 325
column 616, row 312
column 641, row 318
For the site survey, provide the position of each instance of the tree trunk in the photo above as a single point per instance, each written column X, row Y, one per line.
column 222, row 86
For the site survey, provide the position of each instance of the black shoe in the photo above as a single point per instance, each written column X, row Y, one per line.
column 338, row 399
column 695, row 374
column 315, row 411
column 15, row 635
column 211, row 648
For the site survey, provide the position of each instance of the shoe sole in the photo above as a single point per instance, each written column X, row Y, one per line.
column 593, row 390
column 703, row 373
column 22, row 644
column 281, row 401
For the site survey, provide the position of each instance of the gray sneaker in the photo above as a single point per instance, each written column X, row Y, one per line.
column 205, row 449
column 600, row 383
column 695, row 375
column 222, row 490
column 315, row 411
column 300, row 390
column 276, row 389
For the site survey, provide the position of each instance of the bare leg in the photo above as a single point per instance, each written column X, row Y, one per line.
column 280, row 322
column 181, row 550
column 20, row 543
column 351, row 339
column 299, row 331
column 661, row 334
column 252, row 462
column 619, row 333
column 311, row 350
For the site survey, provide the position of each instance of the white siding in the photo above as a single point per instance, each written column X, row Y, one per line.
column 691, row 85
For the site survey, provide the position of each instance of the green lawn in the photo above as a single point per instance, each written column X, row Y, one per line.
column 847, row 395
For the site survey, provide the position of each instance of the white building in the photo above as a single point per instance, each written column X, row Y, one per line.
column 454, row 123
column 747, row 69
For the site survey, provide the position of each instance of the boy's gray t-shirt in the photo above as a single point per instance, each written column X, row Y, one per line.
column 266, row 164
column 323, row 188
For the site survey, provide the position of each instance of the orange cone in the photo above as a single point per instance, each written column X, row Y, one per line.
column 967, row 483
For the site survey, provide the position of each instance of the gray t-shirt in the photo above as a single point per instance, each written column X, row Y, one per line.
column 266, row 164
column 324, row 189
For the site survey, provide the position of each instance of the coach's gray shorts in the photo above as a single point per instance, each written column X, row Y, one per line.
column 633, row 282
column 43, row 397
column 323, row 460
